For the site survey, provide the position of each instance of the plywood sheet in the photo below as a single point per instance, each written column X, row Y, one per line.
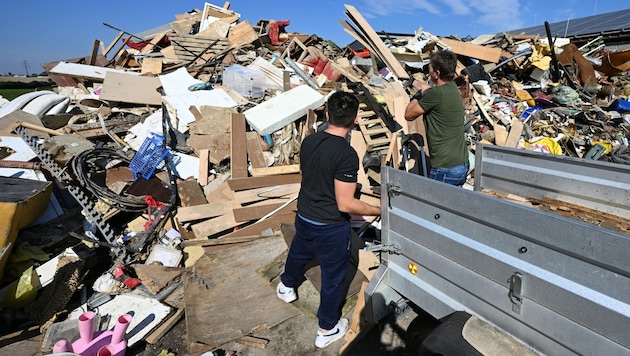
column 134, row 89
column 212, row 317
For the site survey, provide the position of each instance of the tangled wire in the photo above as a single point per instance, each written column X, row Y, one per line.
column 89, row 163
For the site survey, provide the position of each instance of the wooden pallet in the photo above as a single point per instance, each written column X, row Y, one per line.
column 376, row 134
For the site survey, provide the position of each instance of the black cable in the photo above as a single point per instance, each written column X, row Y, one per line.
column 89, row 162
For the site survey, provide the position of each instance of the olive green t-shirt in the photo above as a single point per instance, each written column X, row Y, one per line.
column 444, row 125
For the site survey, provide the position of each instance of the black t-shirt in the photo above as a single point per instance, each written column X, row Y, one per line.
column 324, row 158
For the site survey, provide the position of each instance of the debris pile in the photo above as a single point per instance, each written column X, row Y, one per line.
column 169, row 145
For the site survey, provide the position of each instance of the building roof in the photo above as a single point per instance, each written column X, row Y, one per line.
column 609, row 24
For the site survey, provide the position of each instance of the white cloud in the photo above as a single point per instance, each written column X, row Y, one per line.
column 489, row 15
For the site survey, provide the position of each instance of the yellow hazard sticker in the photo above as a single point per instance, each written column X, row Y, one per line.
column 412, row 268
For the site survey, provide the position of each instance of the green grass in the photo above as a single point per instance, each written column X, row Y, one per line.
column 11, row 94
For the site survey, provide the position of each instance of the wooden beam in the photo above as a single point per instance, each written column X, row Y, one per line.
column 268, row 171
column 237, row 184
column 204, row 155
column 204, row 211
column 238, row 147
column 113, row 43
column 376, row 43
column 92, row 60
column 254, row 150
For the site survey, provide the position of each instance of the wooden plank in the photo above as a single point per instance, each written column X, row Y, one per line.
column 238, row 147
column 254, row 150
column 154, row 41
column 231, row 240
column 214, row 226
column 272, row 192
column 94, row 54
column 482, row 108
column 257, row 212
column 268, row 171
column 251, row 341
column 205, row 211
column 515, row 133
column 265, row 181
column 484, row 53
column 164, row 327
column 376, row 43
column 203, row 166
column 259, row 227
column 500, row 135
column 113, row 43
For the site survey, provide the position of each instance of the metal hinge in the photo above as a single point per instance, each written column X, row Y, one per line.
column 392, row 190
column 392, row 249
column 516, row 291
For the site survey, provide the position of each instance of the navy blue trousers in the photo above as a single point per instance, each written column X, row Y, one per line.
column 331, row 244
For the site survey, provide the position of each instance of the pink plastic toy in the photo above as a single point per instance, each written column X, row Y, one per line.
column 100, row 343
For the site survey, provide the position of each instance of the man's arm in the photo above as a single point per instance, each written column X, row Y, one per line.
column 347, row 203
column 414, row 109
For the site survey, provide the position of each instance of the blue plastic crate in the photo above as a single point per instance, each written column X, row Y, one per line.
column 149, row 156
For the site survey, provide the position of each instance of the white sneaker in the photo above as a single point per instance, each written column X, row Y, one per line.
column 285, row 293
column 322, row 340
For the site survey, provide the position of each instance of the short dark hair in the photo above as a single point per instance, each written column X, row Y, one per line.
column 342, row 109
column 446, row 62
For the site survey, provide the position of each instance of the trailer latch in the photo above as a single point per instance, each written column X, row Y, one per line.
column 516, row 291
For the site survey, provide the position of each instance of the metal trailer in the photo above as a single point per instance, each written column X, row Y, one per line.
column 557, row 284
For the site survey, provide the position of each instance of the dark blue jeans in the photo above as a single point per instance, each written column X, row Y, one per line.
column 331, row 244
column 453, row 175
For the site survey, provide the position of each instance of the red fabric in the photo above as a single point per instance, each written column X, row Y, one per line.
column 331, row 73
column 139, row 45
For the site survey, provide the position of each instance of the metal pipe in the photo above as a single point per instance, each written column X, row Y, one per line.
column 301, row 73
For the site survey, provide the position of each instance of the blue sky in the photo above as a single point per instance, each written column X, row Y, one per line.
column 35, row 32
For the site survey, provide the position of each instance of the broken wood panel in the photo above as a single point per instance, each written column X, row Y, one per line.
column 271, row 192
column 151, row 66
column 241, row 34
column 190, row 193
column 189, row 47
column 258, row 228
column 254, row 150
column 222, row 320
column 218, row 146
column 259, row 211
column 237, row 184
column 238, row 147
column 205, row 211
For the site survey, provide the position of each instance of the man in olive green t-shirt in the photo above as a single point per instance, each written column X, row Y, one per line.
column 443, row 110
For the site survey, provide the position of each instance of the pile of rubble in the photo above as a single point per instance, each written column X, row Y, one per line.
column 183, row 140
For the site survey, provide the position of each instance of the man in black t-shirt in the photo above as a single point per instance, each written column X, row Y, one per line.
column 329, row 167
